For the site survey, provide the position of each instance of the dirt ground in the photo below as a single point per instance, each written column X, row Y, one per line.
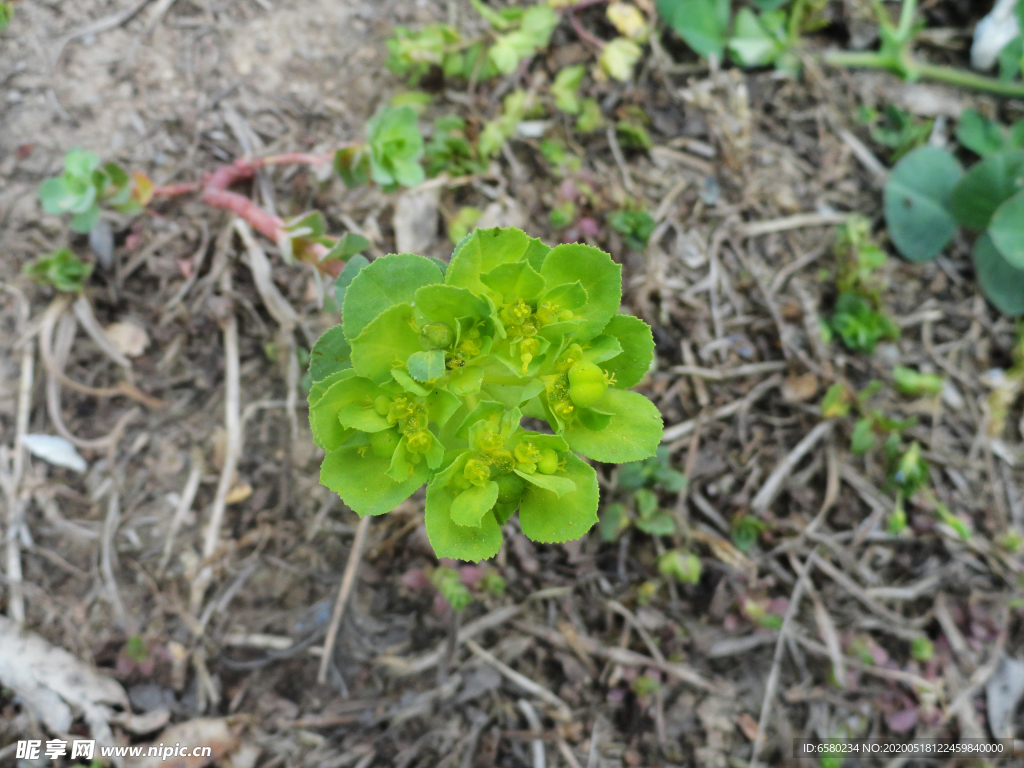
column 228, row 642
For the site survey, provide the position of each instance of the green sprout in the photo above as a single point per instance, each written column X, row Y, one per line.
column 431, row 373
column 565, row 89
column 449, row 149
column 745, row 531
column 636, row 227
column 62, row 269
column 896, row 129
column 449, row 583
column 85, row 186
column 684, row 566
column 859, row 325
column 921, row 648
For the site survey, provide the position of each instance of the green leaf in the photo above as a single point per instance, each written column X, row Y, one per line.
column 1001, row 282
column 385, row 344
column 393, row 279
column 613, row 522
column 426, row 366
column 1007, row 230
column 396, row 146
column 328, row 431
column 637, row 342
column 81, row 162
column 448, row 304
column 553, row 483
column 647, row 502
column 354, row 399
column 635, row 226
column 62, row 269
column 470, row 506
column 485, row 249
column 985, row 187
column 752, row 45
column 601, row 348
column 331, row 353
column 317, row 389
column 863, row 437
column 618, row 57
column 346, row 247
column 911, row 382
column 633, row 433
column 548, row 518
column 461, row 542
column 600, row 277
column 701, row 23
column 363, row 482
column 344, row 280
column 916, row 200
column 85, row 221
column 538, row 22
column 565, row 89
column 979, row 134
column 514, row 279
column 660, row 524
column 408, row 383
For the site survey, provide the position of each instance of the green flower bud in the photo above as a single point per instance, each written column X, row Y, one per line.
column 527, row 452
column 382, row 405
column 419, row 442
column 587, row 384
column 477, row 472
column 436, row 336
column 548, row 461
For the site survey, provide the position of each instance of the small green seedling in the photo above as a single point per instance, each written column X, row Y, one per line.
column 449, row 149
column 565, row 89
column 645, row 479
column 896, row 129
column 84, row 187
column 684, row 567
column 921, row 648
column 746, row 529
column 859, row 325
column 391, row 154
column 986, row 137
column 927, row 197
column 636, row 227
column 448, row 582
column 428, row 377
column 916, row 384
column 62, row 269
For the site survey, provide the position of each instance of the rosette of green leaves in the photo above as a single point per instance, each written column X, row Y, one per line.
column 62, row 269
column 84, row 186
column 427, row 379
column 391, row 154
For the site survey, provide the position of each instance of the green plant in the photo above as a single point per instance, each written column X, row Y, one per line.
column 449, row 149
column 684, row 566
column 928, row 197
column 391, row 154
column 534, row 33
column 565, row 89
column 645, row 480
column 702, row 24
column 62, row 269
column 897, row 129
column 6, row 12
column 636, row 227
column 746, row 529
column 921, row 648
column 85, row 186
column 430, row 374
column 448, row 582
column 859, row 325
column 986, row 137
column 911, row 382
column 859, row 259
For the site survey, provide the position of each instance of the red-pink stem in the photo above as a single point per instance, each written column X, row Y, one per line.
column 584, row 34
column 216, row 194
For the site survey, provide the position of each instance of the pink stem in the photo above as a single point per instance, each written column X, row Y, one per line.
column 584, row 34
column 174, row 190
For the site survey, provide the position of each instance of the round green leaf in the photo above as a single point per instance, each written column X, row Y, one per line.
column 548, row 518
column 484, row 249
column 386, row 282
column 470, row 506
column 600, row 277
column 460, row 542
column 386, row 343
column 633, row 433
column 1007, row 230
column 637, row 340
column 363, row 483
column 916, row 199
column 985, row 187
column 1002, row 283
column 330, row 353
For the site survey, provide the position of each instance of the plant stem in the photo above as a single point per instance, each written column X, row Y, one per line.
column 906, row 19
column 918, row 69
column 795, row 16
